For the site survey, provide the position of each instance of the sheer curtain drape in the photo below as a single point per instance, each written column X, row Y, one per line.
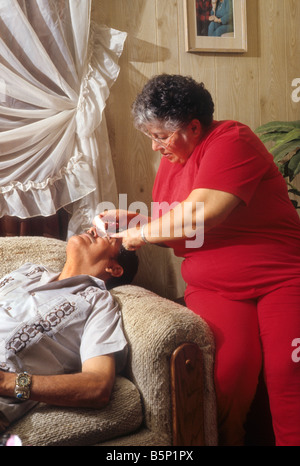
column 56, row 70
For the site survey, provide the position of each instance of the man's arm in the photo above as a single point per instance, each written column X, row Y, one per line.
column 90, row 388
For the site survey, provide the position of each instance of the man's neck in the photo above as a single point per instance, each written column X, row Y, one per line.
column 70, row 271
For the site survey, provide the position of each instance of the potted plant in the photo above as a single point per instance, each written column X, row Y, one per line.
column 283, row 139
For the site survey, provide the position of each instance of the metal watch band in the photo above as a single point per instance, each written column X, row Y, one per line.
column 22, row 386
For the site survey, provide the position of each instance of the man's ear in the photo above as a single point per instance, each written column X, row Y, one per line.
column 116, row 270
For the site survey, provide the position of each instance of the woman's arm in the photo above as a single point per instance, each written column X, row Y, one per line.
column 201, row 211
column 90, row 388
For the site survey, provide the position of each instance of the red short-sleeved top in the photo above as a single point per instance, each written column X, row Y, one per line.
column 258, row 246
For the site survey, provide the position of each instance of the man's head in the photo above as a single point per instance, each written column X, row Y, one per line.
column 129, row 262
column 104, row 258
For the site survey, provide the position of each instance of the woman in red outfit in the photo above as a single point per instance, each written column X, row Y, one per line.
column 244, row 278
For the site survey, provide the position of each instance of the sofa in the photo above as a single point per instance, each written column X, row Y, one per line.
column 164, row 397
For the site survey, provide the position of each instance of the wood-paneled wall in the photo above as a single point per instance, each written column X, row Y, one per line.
column 254, row 88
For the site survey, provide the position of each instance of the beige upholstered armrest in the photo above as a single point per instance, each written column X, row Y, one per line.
column 155, row 327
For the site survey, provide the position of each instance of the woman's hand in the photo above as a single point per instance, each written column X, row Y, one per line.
column 116, row 220
column 131, row 238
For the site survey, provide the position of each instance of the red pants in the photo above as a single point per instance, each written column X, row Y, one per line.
column 247, row 334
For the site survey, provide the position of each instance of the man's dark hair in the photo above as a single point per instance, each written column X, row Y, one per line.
column 130, row 262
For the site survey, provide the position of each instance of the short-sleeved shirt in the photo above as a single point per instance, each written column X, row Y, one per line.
column 258, row 246
column 51, row 326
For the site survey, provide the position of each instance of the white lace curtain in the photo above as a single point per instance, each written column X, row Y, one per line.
column 56, row 70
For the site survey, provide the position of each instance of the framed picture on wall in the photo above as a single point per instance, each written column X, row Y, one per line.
column 215, row 25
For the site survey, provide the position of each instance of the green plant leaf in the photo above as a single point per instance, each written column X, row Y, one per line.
column 273, row 137
column 278, row 126
column 294, row 191
column 283, row 170
column 293, row 135
column 294, row 165
column 295, row 204
column 280, row 152
column 284, row 144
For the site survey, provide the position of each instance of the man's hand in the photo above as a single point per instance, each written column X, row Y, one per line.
column 90, row 388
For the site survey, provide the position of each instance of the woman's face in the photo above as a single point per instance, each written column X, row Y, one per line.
column 176, row 146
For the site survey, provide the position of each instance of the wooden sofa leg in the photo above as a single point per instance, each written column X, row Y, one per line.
column 187, row 395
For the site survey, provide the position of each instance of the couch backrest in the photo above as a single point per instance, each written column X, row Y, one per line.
column 17, row 250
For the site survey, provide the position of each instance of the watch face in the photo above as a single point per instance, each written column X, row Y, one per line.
column 23, row 380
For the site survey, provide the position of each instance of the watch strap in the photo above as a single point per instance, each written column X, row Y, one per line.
column 22, row 386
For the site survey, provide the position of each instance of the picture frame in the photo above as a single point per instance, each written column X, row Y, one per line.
column 208, row 35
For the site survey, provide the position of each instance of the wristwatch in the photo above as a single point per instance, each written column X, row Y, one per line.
column 22, row 387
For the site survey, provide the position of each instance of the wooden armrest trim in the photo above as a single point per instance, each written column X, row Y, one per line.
column 187, row 395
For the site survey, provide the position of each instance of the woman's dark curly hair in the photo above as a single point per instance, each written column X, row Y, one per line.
column 173, row 100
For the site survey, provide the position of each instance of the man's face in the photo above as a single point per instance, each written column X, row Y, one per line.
column 91, row 254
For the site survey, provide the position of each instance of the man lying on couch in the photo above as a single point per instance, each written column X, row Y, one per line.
column 61, row 336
